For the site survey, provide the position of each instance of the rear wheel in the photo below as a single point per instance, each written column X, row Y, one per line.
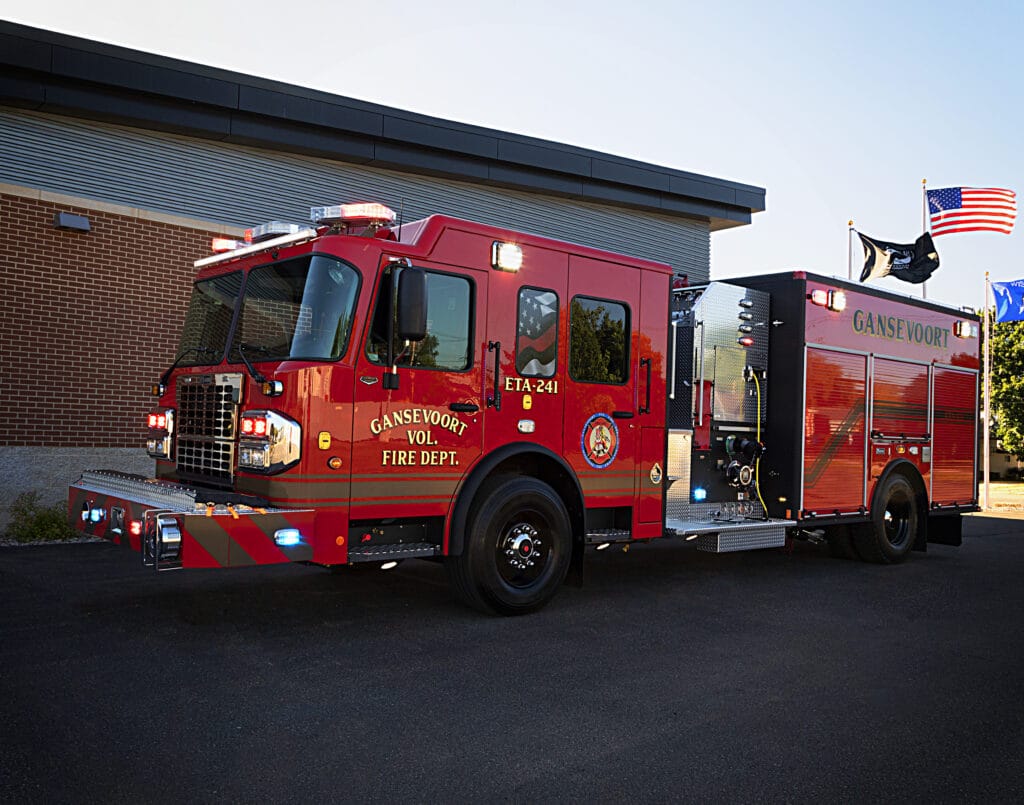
column 894, row 523
column 517, row 550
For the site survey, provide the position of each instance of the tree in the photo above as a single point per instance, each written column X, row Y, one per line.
column 1007, row 390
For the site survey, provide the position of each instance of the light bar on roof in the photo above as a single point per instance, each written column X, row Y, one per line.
column 368, row 213
column 226, row 244
column 285, row 240
column 271, row 229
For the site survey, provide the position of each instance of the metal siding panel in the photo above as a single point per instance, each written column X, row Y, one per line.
column 241, row 185
column 834, row 432
column 954, row 442
column 899, row 402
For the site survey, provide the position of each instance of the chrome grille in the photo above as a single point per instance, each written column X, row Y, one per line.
column 207, row 415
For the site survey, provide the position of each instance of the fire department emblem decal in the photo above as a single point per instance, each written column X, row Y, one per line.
column 600, row 441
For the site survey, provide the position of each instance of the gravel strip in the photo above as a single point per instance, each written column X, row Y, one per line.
column 10, row 543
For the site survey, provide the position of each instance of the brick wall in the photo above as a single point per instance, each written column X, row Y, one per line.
column 88, row 321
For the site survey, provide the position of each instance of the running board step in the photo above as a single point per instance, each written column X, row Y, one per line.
column 386, row 553
column 725, row 536
column 599, row 536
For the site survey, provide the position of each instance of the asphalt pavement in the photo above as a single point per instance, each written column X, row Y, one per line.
column 672, row 675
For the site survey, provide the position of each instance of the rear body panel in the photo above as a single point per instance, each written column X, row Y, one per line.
column 884, row 380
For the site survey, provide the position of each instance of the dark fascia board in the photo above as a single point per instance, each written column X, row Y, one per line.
column 448, row 138
column 431, row 163
column 300, row 139
column 430, row 144
column 23, row 91
column 74, row 63
column 516, row 178
column 612, row 171
column 20, row 51
column 313, row 111
column 542, row 156
column 132, row 109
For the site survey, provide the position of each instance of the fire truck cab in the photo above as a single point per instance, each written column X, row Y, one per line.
column 358, row 391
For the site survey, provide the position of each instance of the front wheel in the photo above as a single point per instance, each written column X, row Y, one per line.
column 517, row 550
column 894, row 523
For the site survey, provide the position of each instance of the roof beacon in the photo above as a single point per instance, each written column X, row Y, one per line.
column 348, row 215
column 271, row 229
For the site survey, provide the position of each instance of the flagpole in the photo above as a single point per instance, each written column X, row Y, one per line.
column 924, row 226
column 988, row 402
column 849, row 250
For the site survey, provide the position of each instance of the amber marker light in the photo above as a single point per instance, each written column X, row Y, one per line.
column 334, row 462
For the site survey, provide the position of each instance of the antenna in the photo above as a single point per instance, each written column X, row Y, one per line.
column 401, row 207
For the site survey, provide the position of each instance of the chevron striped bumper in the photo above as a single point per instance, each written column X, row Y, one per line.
column 173, row 528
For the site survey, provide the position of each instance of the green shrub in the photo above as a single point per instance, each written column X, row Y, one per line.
column 31, row 521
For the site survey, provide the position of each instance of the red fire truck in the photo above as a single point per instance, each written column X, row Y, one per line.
column 359, row 391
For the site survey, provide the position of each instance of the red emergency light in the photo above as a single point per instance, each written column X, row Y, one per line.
column 362, row 213
column 254, row 426
column 219, row 245
column 830, row 299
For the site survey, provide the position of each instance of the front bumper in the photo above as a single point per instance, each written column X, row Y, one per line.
column 172, row 527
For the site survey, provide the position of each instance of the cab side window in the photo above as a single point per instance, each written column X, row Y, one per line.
column 537, row 333
column 598, row 341
column 449, row 324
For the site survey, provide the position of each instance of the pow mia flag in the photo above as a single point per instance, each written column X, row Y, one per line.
column 910, row 262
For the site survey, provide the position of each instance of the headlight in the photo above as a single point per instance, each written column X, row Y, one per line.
column 270, row 442
column 160, row 422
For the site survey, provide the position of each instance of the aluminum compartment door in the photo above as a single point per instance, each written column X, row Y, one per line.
column 834, row 431
column 955, row 437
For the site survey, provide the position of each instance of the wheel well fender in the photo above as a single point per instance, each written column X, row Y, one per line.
column 905, row 468
column 518, row 459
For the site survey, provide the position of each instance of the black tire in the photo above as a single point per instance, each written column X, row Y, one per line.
column 840, row 542
column 894, row 523
column 517, row 549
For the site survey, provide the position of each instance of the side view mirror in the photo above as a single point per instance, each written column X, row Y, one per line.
column 412, row 305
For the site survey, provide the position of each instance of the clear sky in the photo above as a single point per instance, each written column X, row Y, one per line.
column 839, row 110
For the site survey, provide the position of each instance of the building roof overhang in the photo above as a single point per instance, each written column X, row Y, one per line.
column 66, row 75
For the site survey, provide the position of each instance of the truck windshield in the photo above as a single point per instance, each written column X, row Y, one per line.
column 299, row 309
column 208, row 320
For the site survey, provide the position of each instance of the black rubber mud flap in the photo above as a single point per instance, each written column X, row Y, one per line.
column 946, row 529
column 575, row 576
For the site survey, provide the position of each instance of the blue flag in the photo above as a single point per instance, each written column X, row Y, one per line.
column 1009, row 300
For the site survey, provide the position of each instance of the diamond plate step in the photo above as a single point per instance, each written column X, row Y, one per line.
column 384, row 553
column 725, row 536
column 600, row 535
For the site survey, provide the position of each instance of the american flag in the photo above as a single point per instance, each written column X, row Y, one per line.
column 971, row 209
column 538, row 328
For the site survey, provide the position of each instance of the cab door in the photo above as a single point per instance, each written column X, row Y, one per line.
column 411, row 445
column 524, row 393
column 602, row 416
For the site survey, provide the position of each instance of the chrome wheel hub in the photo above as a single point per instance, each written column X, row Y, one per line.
column 522, row 546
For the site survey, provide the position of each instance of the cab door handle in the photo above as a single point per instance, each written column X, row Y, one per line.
column 464, row 408
column 646, row 407
column 495, row 398
column 622, row 414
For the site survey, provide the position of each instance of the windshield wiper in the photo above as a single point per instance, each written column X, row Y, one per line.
column 200, row 349
column 242, row 347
